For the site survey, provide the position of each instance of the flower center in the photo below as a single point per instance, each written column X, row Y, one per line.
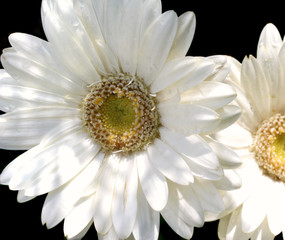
column 269, row 147
column 120, row 114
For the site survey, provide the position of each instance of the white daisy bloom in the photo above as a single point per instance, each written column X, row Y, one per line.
column 258, row 138
column 116, row 120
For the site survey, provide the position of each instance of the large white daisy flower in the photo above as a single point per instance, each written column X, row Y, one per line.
column 259, row 139
column 116, row 119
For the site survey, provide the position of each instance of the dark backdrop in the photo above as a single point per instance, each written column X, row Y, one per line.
column 231, row 29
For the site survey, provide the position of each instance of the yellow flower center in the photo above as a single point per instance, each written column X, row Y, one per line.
column 269, row 147
column 120, row 114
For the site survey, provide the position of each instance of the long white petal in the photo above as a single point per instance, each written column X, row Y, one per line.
column 253, row 211
column 276, row 210
column 229, row 114
column 36, row 65
column 269, row 43
column 263, row 232
column 174, row 71
column 70, row 41
column 210, row 94
column 184, row 35
column 188, row 119
column 185, row 205
column 104, row 195
column 124, row 204
column 89, row 12
column 169, row 162
column 234, row 136
column 202, row 71
column 227, row 157
column 30, row 97
column 23, row 129
column 59, row 202
column 147, row 223
column 234, row 231
column 193, row 147
column 156, row 44
column 153, row 182
column 229, row 181
column 175, row 215
column 203, row 189
column 66, row 156
column 80, row 217
column 256, row 85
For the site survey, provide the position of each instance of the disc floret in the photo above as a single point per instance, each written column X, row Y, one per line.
column 269, row 147
column 120, row 113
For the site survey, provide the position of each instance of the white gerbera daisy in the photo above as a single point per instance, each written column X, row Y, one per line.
column 259, row 139
column 116, row 119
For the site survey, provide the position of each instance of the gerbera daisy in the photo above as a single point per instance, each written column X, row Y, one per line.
column 116, row 119
column 259, row 139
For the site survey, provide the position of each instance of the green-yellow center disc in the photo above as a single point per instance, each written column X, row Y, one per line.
column 280, row 146
column 120, row 114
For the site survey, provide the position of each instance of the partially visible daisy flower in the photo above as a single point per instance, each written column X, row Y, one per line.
column 259, row 139
column 116, row 120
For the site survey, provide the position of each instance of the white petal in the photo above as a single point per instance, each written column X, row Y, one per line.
column 193, row 147
column 187, row 119
column 222, row 227
column 202, row 71
column 90, row 12
column 208, row 195
column 36, row 65
column 269, row 43
column 104, row 195
column 184, row 203
column 234, row 136
column 230, row 181
column 228, row 114
column 253, row 211
column 5, row 79
column 124, row 205
column 147, row 222
column 174, row 71
column 204, row 172
column 80, row 217
column 222, row 68
column 23, row 129
column 227, row 157
column 16, row 165
column 153, row 183
column 184, row 35
column 59, row 202
column 82, row 233
column 176, row 216
column 269, row 46
column 152, row 10
column 210, row 94
column 276, row 210
column 70, row 41
column 56, row 164
column 256, row 85
column 169, row 163
column 263, row 232
column 110, row 235
column 156, row 44
column 234, row 231
column 21, row 197
column 122, row 31
column 248, row 118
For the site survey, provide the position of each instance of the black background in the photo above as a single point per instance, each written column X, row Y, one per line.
column 228, row 29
